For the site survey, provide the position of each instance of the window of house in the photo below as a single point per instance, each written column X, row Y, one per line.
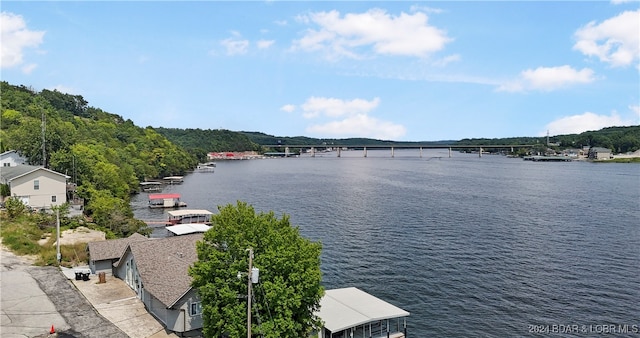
column 53, row 198
column 36, row 184
column 196, row 309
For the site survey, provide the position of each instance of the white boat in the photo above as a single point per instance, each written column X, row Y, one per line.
column 208, row 167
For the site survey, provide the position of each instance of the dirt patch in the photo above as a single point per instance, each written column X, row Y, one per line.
column 80, row 235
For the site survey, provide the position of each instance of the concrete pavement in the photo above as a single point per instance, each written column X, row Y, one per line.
column 35, row 298
column 118, row 303
column 25, row 310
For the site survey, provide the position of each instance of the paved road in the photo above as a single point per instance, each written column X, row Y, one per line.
column 32, row 299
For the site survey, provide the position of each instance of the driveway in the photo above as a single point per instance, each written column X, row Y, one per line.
column 33, row 300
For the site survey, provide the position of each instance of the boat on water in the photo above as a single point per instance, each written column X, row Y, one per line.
column 189, row 216
column 165, row 201
column 208, row 167
column 150, row 186
column 173, row 179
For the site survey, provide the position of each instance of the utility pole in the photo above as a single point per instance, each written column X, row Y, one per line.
column 249, row 293
column 44, row 154
column 58, row 255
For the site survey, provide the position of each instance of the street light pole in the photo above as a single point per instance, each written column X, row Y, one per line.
column 58, row 255
column 249, row 293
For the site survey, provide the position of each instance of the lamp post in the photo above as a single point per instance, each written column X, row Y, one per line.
column 58, row 255
column 249, row 293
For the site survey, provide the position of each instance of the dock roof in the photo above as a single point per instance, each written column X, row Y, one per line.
column 189, row 212
column 341, row 309
column 163, row 196
column 189, row 228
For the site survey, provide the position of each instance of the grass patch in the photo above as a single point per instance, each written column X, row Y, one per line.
column 21, row 236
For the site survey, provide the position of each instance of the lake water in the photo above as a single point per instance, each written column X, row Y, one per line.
column 472, row 247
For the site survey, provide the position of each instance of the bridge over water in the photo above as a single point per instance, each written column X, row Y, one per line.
column 312, row 149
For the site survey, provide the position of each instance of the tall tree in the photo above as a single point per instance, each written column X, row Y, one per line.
column 289, row 289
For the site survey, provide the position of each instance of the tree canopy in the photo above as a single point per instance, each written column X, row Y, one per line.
column 289, row 290
column 104, row 154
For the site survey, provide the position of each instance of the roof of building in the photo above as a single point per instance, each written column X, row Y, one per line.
column 163, row 196
column 188, row 228
column 111, row 248
column 189, row 212
column 341, row 309
column 10, row 173
column 600, row 150
column 8, row 152
column 163, row 265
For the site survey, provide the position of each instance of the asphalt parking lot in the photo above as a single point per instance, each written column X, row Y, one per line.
column 35, row 299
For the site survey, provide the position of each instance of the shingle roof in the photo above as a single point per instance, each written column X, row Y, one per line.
column 163, row 265
column 111, row 248
column 10, row 173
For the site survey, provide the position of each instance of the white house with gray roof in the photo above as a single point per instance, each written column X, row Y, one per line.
column 11, row 158
column 37, row 187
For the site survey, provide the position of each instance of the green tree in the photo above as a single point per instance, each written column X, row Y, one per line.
column 289, row 290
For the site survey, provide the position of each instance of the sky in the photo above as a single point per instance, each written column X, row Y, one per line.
column 401, row 70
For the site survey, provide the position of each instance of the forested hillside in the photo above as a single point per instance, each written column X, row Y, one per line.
column 199, row 142
column 618, row 139
column 104, row 154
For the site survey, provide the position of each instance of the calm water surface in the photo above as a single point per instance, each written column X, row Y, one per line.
column 472, row 247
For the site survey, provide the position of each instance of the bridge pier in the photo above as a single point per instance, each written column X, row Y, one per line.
column 313, row 152
column 420, row 152
column 365, row 151
column 339, row 149
column 392, row 152
column 480, row 152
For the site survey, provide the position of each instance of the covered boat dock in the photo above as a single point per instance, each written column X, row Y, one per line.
column 189, row 216
column 188, row 228
column 351, row 312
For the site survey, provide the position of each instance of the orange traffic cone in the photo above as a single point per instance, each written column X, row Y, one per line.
column 53, row 330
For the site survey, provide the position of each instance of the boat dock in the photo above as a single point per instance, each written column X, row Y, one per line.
column 547, row 158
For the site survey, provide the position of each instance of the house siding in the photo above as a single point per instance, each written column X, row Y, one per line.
column 177, row 318
column 50, row 184
column 11, row 159
column 105, row 266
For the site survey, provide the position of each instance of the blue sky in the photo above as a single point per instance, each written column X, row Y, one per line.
column 401, row 70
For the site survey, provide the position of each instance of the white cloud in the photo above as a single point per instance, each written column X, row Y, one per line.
column 615, row 41
column 346, row 118
column 235, row 46
column 15, row 37
column 289, row 108
column 548, row 78
column 359, row 125
column 331, row 107
column 576, row 124
column 348, row 35
column 264, row 44
column 618, row 2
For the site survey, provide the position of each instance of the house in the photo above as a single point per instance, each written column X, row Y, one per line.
column 597, row 153
column 11, row 158
column 157, row 270
column 351, row 312
column 37, row 187
column 102, row 254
